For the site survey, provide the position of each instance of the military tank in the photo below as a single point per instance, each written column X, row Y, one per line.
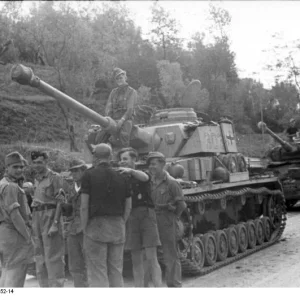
column 229, row 214
column 284, row 161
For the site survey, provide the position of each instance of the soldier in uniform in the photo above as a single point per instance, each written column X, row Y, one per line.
column 142, row 232
column 169, row 204
column 292, row 130
column 47, row 223
column 77, row 265
column 105, row 208
column 120, row 107
column 16, row 248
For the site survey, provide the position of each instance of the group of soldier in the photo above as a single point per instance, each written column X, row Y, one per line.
column 111, row 209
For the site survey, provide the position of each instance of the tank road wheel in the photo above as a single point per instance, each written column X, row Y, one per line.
column 251, row 234
column 267, row 228
column 274, row 210
column 243, row 237
column 233, row 241
column 222, row 245
column 210, row 249
column 259, row 231
column 198, row 253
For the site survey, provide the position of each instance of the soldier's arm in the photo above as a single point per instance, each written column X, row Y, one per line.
column 84, row 210
column 85, row 200
column 10, row 196
column 128, row 201
column 19, row 223
column 108, row 107
column 178, row 198
column 140, row 175
column 131, row 101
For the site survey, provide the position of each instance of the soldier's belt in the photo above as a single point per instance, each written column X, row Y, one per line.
column 44, row 207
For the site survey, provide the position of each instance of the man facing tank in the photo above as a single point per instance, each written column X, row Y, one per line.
column 142, row 232
column 16, row 249
column 105, row 208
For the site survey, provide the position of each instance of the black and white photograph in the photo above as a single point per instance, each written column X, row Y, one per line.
column 149, row 144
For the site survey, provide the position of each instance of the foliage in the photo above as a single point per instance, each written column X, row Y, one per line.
column 165, row 30
column 172, row 86
column 76, row 50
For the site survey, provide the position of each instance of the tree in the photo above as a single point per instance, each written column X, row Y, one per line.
column 165, row 32
column 172, row 86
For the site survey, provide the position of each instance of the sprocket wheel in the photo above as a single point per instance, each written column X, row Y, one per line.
column 259, row 231
column 210, row 248
column 243, row 237
column 251, row 234
column 222, row 245
column 233, row 241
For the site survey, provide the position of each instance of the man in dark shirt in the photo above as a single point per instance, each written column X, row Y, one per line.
column 292, row 130
column 105, row 208
column 142, row 232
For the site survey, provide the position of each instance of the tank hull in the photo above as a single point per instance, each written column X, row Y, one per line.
column 215, row 213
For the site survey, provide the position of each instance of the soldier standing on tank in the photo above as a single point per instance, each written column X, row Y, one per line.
column 16, row 248
column 169, row 205
column 105, row 208
column 120, row 107
column 76, row 258
column 142, row 232
column 47, row 223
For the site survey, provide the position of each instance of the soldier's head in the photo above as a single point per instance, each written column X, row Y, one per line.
column 14, row 165
column 39, row 161
column 127, row 157
column 156, row 162
column 77, row 169
column 119, row 76
column 101, row 153
column 292, row 122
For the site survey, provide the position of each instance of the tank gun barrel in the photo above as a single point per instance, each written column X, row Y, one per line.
column 287, row 146
column 25, row 76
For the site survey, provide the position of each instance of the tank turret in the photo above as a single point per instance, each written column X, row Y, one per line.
column 286, row 151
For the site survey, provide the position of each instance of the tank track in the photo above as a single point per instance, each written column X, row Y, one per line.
column 190, row 268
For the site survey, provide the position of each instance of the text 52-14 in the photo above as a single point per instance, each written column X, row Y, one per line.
column 6, row 291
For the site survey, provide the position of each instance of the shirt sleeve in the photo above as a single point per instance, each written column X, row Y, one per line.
column 176, row 191
column 108, row 107
column 85, row 184
column 10, row 197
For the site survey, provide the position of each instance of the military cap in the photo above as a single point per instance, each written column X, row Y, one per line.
column 36, row 154
column 14, row 158
column 292, row 120
column 117, row 72
column 158, row 155
column 102, row 150
column 77, row 164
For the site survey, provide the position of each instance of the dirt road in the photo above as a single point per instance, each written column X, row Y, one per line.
column 276, row 266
